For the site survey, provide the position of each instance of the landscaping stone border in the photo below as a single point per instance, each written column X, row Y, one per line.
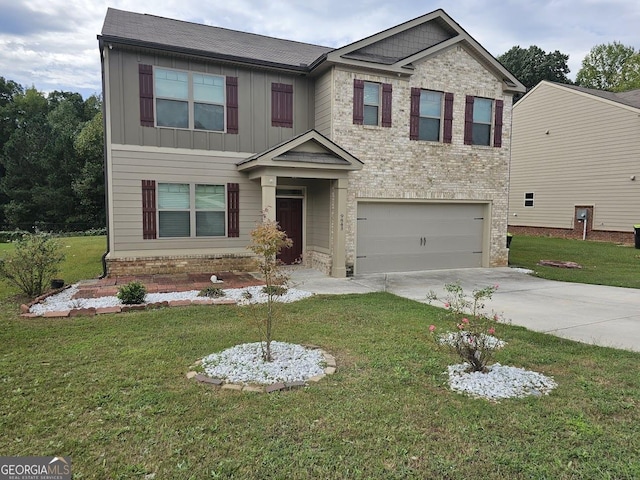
column 221, row 384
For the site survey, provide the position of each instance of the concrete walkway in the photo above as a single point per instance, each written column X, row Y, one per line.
column 595, row 314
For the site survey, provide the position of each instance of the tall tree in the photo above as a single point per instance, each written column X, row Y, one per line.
column 612, row 66
column 89, row 183
column 531, row 65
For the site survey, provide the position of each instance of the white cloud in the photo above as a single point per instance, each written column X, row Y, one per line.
column 52, row 43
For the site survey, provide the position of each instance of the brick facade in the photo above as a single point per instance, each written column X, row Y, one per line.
column 179, row 264
column 396, row 167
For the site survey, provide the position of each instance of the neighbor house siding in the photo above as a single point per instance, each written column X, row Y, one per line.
column 255, row 131
column 573, row 149
column 130, row 166
column 396, row 167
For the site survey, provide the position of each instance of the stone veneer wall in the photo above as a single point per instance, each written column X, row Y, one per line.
column 179, row 264
column 396, row 167
column 318, row 261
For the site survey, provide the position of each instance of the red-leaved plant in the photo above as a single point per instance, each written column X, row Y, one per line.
column 474, row 337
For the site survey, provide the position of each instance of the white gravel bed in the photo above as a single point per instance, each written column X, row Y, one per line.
column 486, row 340
column 499, row 382
column 63, row 301
column 244, row 364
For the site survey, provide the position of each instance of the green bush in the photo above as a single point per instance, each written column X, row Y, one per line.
column 211, row 292
column 274, row 290
column 133, row 293
column 7, row 236
column 33, row 263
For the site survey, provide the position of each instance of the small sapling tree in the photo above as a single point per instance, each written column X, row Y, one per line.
column 267, row 240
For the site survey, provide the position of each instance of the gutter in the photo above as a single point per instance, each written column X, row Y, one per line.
column 105, row 170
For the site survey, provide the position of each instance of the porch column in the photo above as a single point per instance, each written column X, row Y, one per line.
column 268, row 183
column 338, row 254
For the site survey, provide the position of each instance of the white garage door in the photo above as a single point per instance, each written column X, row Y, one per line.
column 403, row 237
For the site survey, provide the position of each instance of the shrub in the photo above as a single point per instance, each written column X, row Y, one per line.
column 33, row 263
column 274, row 290
column 474, row 338
column 211, row 292
column 133, row 293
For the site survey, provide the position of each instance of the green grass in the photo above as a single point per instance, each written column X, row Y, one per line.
column 83, row 260
column 602, row 263
column 111, row 392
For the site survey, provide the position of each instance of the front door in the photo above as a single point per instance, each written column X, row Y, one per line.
column 289, row 216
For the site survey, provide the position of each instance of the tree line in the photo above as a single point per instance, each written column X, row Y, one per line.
column 51, row 160
column 613, row 67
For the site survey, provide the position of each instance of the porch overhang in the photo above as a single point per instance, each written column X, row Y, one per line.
column 309, row 155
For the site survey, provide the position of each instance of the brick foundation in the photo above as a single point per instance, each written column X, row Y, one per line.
column 179, row 264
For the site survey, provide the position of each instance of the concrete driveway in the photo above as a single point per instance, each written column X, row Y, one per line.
column 595, row 314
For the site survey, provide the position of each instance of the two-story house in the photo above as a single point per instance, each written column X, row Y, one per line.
column 388, row 154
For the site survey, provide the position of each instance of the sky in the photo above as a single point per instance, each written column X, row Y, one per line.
column 52, row 45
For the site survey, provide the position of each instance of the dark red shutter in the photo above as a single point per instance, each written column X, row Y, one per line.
column 358, row 101
column 497, row 127
column 414, row 122
column 149, row 230
column 468, row 121
column 386, row 104
column 232, row 104
column 281, row 105
column 447, row 133
column 145, row 80
column 233, row 209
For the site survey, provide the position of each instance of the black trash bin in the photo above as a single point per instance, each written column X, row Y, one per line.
column 509, row 238
column 636, row 235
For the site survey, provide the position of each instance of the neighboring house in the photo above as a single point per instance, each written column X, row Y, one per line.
column 388, row 154
column 575, row 150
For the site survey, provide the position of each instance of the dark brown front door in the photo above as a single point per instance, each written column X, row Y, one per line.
column 289, row 216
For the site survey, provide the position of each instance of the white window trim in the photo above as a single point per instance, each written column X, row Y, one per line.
column 492, row 120
column 440, row 118
column 378, row 105
column 192, row 210
column 190, row 100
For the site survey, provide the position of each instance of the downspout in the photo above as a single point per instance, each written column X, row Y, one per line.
column 104, row 148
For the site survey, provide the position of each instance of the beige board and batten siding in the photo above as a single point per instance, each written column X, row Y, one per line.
column 255, row 132
column 131, row 165
column 396, row 167
column 588, row 156
column 324, row 99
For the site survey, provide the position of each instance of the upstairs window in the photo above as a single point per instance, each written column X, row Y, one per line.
column 190, row 100
column 482, row 116
column 482, row 109
column 372, row 103
column 431, row 116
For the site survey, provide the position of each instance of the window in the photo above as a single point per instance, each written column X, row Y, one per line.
column 187, row 210
column 281, row 105
column 528, row 199
column 179, row 99
column 482, row 109
column 430, row 113
column 481, row 117
column 371, row 103
column 431, row 116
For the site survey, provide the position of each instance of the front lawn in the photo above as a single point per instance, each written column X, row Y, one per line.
column 602, row 263
column 111, row 392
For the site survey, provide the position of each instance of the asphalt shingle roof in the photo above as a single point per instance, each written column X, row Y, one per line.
column 144, row 29
column 630, row 98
